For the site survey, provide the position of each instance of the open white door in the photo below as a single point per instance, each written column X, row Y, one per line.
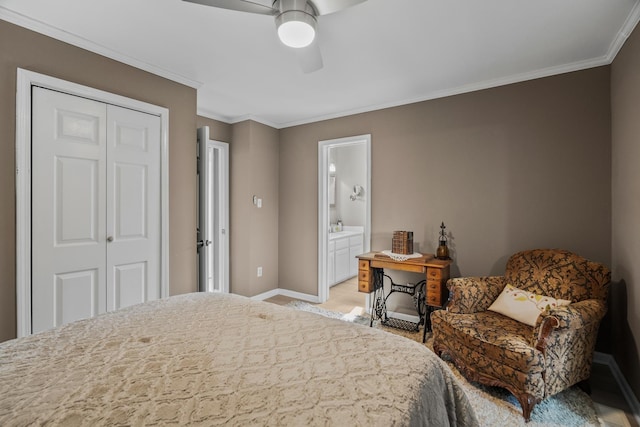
column 213, row 213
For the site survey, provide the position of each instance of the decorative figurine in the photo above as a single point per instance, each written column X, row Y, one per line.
column 443, row 251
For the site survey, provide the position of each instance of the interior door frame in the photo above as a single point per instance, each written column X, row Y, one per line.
column 25, row 80
column 221, row 208
column 323, row 204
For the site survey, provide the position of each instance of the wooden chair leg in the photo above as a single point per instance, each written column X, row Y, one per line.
column 527, row 402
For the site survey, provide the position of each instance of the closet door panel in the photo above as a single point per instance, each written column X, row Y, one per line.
column 130, row 284
column 68, row 208
column 133, row 194
column 76, row 201
column 130, row 210
column 76, row 296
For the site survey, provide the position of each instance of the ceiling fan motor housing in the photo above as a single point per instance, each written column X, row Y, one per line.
column 296, row 22
column 291, row 5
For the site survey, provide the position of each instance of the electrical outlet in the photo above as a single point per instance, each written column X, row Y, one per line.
column 259, row 271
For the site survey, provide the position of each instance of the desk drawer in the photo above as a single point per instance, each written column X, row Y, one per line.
column 363, row 265
column 434, row 292
column 437, row 273
column 363, row 275
column 433, row 286
column 365, row 286
column 415, row 268
column 434, row 300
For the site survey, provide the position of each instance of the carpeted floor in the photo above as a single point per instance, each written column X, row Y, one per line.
column 495, row 406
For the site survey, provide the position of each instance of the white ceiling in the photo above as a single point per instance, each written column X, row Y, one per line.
column 377, row 54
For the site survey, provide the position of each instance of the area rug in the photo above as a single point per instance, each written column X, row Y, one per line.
column 495, row 406
column 305, row 306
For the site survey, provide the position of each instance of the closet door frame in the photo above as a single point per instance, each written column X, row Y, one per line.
column 25, row 80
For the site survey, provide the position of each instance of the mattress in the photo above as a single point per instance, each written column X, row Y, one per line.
column 214, row 359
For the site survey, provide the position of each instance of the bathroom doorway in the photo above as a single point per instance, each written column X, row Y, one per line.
column 344, row 209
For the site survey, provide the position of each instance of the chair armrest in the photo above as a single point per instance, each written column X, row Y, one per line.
column 473, row 294
column 572, row 317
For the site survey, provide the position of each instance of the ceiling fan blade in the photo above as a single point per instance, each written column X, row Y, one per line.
column 309, row 58
column 239, row 5
column 324, row 7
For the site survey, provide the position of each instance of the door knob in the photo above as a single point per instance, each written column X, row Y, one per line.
column 109, row 239
column 201, row 243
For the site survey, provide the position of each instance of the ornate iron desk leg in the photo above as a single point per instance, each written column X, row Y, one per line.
column 379, row 309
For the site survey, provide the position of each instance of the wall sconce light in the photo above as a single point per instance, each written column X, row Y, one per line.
column 357, row 192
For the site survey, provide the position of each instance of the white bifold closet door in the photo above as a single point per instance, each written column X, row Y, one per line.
column 95, row 208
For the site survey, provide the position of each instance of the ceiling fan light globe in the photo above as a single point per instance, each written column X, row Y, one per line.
column 296, row 29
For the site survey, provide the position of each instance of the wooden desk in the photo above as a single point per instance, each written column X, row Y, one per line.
column 370, row 279
column 435, row 270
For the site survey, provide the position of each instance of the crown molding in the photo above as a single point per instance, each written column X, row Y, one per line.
column 75, row 40
column 257, row 120
column 43, row 28
column 203, row 112
column 231, row 121
column 624, row 33
column 473, row 87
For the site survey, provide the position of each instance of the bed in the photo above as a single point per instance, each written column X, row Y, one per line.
column 213, row 359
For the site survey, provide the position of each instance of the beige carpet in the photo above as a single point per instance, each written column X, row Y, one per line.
column 495, row 406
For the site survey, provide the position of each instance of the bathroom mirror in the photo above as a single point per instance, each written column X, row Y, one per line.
column 332, row 190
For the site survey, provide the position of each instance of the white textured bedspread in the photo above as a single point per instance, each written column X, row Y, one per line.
column 209, row 359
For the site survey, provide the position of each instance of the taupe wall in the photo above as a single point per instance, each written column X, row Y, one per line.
column 254, row 163
column 515, row 167
column 29, row 50
column 253, row 232
column 218, row 131
column 625, row 131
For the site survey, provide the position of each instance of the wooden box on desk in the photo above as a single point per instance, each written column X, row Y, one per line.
column 402, row 242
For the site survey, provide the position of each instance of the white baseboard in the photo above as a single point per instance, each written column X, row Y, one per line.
column 299, row 295
column 630, row 397
column 286, row 293
column 266, row 295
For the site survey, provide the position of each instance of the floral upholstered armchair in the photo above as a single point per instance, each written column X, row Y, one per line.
column 545, row 351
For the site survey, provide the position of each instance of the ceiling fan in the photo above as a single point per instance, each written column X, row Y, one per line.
column 296, row 22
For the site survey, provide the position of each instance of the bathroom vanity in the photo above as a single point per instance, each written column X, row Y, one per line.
column 344, row 247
